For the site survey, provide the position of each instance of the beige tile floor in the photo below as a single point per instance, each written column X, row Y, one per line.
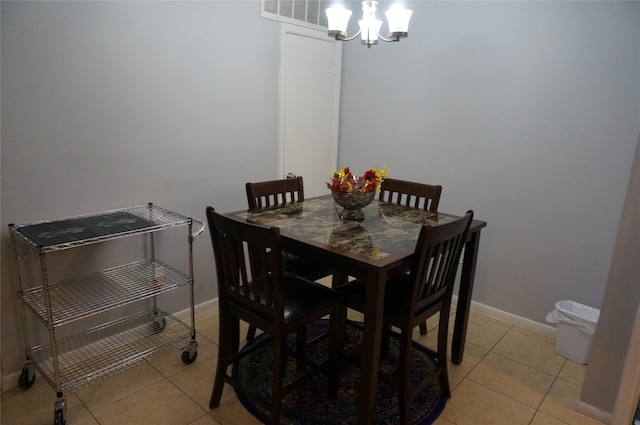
column 508, row 376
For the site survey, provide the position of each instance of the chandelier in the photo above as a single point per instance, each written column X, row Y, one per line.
column 397, row 19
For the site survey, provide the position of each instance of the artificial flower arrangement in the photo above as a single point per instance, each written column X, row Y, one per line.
column 343, row 182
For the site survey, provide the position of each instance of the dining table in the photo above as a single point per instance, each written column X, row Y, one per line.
column 381, row 244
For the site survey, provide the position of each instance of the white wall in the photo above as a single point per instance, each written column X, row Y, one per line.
column 113, row 104
column 527, row 112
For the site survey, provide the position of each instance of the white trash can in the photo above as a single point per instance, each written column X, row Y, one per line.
column 576, row 324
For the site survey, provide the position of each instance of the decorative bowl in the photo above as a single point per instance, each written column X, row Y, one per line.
column 352, row 204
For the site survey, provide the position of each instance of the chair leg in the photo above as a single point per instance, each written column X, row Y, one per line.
column 218, row 383
column 226, row 347
column 404, row 381
column 337, row 323
column 338, row 279
column 251, row 333
column 301, row 348
column 279, row 367
column 442, row 359
column 423, row 328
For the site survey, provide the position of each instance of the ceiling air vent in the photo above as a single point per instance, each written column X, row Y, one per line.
column 308, row 13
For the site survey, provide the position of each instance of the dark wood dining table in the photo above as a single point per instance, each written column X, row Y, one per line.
column 370, row 250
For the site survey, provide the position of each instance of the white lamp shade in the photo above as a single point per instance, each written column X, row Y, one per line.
column 398, row 19
column 338, row 18
column 369, row 29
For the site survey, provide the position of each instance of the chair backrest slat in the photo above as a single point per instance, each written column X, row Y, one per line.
column 248, row 263
column 436, row 259
column 411, row 194
column 275, row 192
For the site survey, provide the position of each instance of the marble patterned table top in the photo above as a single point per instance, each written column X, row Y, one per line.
column 387, row 228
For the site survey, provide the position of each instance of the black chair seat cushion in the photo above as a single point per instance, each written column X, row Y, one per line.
column 291, row 263
column 302, row 296
column 396, row 298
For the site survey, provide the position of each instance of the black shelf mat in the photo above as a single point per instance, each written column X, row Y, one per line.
column 83, row 228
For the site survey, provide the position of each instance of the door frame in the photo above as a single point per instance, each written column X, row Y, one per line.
column 286, row 29
column 629, row 390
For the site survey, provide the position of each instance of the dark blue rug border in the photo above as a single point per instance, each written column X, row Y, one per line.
column 257, row 413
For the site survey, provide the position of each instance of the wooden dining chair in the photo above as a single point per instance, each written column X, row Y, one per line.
column 280, row 192
column 411, row 298
column 253, row 287
column 275, row 192
column 411, row 194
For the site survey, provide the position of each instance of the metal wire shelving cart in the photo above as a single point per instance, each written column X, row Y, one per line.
column 73, row 361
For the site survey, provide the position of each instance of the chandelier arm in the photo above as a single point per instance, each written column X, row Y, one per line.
column 352, row 37
column 388, row 40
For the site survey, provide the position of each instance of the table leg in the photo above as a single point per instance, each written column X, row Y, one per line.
column 371, row 345
column 467, row 277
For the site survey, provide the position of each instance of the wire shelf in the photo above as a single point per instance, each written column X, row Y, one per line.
column 70, row 232
column 105, row 350
column 84, row 296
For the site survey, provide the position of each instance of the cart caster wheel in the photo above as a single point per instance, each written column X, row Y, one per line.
column 58, row 418
column 187, row 358
column 27, row 378
column 158, row 325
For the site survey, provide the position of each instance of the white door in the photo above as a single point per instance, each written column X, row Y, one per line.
column 310, row 65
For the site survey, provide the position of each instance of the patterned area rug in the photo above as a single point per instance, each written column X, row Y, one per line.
column 310, row 403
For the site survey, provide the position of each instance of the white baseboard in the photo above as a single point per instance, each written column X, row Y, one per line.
column 185, row 315
column 512, row 319
column 10, row 380
column 593, row 412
